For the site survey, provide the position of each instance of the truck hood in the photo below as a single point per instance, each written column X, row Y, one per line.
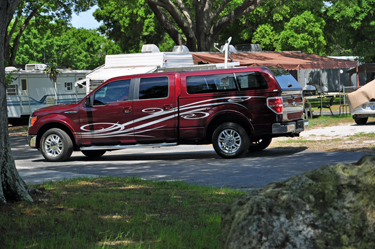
column 55, row 109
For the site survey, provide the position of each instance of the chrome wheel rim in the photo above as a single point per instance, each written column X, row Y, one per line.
column 229, row 141
column 53, row 145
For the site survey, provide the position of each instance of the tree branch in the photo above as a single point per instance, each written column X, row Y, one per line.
column 16, row 41
column 186, row 13
column 246, row 7
column 176, row 15
column 167, row 24
column 220, row 9
column 8, row 37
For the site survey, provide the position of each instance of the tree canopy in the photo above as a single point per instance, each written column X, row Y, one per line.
column 350, row 28
column 131, row 24
column 65, row 46
column 337, row 27
column 42, row 12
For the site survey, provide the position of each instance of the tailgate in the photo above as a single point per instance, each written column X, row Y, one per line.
column 291, row 92
column 292, row 105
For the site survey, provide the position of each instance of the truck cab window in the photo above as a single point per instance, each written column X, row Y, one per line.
column 153, row 88
column 112, row 92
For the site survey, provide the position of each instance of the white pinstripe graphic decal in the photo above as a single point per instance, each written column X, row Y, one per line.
column 196, row 110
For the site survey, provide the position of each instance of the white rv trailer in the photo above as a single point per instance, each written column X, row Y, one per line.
column 31, row 89
column 151, row 60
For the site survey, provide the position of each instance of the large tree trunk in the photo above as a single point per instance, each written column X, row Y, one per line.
column 12, row 187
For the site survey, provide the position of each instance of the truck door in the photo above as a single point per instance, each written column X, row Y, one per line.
column 155, row 109
column 109, row 120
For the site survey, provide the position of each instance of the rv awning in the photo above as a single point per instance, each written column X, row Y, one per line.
column 104, row 74
column 286, row 60
column 364, row 68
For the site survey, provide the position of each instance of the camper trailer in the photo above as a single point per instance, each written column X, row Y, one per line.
column 150, row 60
column 31, row 89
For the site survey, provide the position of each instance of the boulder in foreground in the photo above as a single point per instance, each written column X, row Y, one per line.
column 330, row 207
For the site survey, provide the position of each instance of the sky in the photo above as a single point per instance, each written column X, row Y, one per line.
column 85, row 19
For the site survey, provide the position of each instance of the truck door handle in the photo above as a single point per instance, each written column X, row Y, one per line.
column 127, row 110
column 167, row 107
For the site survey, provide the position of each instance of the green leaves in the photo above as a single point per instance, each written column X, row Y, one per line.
column 304, row 33
column 350, row 25
column 131, row 24
column 65, row 46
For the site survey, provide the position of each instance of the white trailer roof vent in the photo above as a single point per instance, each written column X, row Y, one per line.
column 249, row 47
column 30, row 67
column 232, row 49
column 150, row 48
column 180, row 49
column 10, row 69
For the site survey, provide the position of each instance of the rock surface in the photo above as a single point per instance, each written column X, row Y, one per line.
column 330, row 207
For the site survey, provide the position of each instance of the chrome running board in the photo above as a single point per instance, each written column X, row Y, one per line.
column 120, row 147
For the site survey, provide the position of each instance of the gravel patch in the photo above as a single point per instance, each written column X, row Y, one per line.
column 340, row 131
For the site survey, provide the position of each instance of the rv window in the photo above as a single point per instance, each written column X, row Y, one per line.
column 210, row 83
column 68, row 86
column 112, row 92
column 24, row 84
column 12, row 90
column 251, row 81
column 153, row 88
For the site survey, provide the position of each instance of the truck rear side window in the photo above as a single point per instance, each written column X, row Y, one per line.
column 251, row 81
column 153, row 88
column 210, row 83
column 286, row 80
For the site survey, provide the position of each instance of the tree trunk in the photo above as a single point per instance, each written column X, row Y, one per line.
column 12, row 187
column 200, row 33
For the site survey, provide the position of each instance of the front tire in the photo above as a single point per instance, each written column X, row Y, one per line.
column 360, row 121
column 230, row 140
column 56, row 145
column 260, row 143
column 93, row 153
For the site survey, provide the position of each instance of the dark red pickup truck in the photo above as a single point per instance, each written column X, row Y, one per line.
column 237, row 110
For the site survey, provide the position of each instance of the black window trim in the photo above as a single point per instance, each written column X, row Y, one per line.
column 137, row 84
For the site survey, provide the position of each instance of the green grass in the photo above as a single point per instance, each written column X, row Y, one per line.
column 315, row 101
column 325, row 121
column 111, row 212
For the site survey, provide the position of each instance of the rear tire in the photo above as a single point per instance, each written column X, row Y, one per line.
column 230, row 140
column 360, row 121
column 56, row 145
column 259, row 144
column 93, row 153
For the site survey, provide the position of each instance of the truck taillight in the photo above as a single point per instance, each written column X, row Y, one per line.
column 275, row 104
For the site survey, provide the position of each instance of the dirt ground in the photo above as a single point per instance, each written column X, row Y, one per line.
column 338, row 137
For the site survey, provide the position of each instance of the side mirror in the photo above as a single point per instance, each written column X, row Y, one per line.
column 89, row 101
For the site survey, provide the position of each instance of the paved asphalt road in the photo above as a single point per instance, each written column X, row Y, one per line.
column 192, row 164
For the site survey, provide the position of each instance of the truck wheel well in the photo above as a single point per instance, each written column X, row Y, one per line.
column 55, row 125
column 226, row 118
